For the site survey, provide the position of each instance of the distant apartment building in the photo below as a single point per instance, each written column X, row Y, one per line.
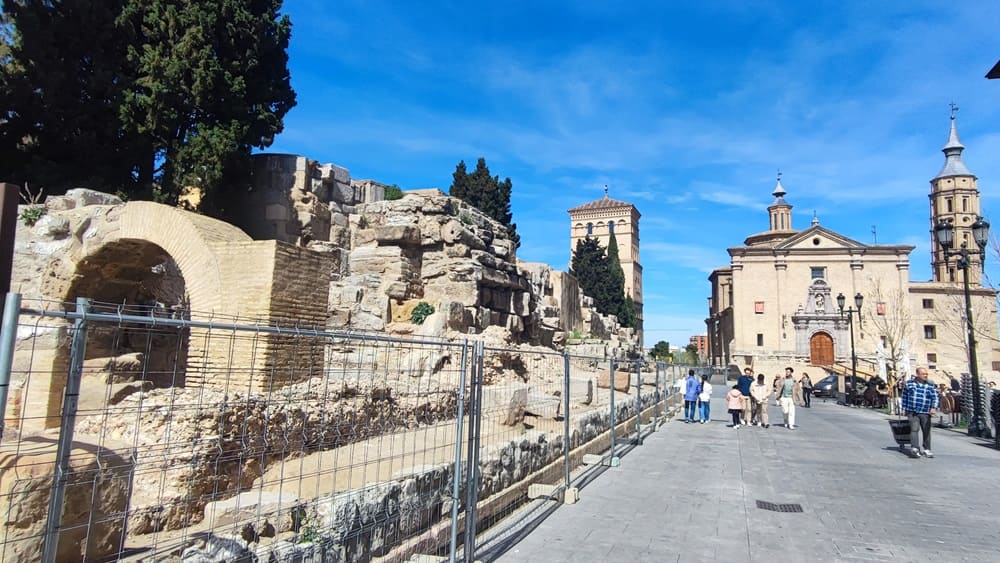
column 701, row 342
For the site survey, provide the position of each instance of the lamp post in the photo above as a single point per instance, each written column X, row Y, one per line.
column 944, row 232
column 851, row 311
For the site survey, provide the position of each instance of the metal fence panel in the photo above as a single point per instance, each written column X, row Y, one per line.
column 221, row 438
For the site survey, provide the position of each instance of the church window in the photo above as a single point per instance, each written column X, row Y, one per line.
column 996, row 366
column 758, row 307
column 760, row 339
column 965, row 204
column 885, row 341
column 611, row 227
column 930, row 332
column 817, row 272
column 928, row 303
column 947, row 204
column 931, row 358
column 590, row 228
column 782, row 219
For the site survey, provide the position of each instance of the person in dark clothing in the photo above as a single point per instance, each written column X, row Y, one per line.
column 743, row 384
column 807, row 389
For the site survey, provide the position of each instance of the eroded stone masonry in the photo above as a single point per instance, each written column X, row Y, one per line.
column 310, row 247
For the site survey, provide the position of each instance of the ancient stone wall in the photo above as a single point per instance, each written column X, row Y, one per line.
column 297, row 200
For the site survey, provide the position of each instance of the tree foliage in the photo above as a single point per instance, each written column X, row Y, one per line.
column 393, row 193
column 661, row 350
column 590, row 268
column 629, row 317
column 594, row 270
column 153, row 96
column 486, row 193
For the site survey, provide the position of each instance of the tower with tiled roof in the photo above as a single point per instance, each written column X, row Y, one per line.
column 955, row 199
column 598, row 219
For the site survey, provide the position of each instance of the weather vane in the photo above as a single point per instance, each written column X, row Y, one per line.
column 779, row 174
column 954, row 108
column 605, row 190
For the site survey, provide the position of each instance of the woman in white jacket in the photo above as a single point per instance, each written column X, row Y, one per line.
column 704, row 398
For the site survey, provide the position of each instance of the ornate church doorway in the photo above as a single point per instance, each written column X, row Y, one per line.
column 821, row 349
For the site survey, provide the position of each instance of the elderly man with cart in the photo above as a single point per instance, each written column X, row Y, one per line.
column 920, row 403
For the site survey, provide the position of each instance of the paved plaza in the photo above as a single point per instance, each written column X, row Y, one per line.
column 691, row 492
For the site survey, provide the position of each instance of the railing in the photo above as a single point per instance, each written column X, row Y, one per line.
column 137, row 434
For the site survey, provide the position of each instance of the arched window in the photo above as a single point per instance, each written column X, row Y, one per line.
column 611, row 227
column 590, row 228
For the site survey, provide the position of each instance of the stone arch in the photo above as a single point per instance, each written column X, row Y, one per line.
column 135, row 244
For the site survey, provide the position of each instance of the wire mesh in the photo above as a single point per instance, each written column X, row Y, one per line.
column 276, row 436
column 218, row 439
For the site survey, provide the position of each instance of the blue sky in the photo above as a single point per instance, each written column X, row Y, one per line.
column 687, row 110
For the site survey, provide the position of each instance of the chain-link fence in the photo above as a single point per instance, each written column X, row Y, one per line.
column 154, row 434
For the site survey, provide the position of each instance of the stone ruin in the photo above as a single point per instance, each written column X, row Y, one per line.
column 311, row 248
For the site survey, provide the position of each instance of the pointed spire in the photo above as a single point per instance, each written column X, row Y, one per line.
column 605, row 191
column 953, row 164
column 779, row 191
column 815, row 220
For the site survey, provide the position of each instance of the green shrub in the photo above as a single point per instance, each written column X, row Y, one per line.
column 465, row 218
column 421, row 312
column 31, row 214
column 393, row 192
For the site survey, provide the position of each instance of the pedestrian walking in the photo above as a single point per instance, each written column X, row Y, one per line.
column 744, row 383
column 920, row 402
column 691, row 390
column 786, row 399
column 734, row 402
column 807, row 390
column 760, row 393
column 705, row 399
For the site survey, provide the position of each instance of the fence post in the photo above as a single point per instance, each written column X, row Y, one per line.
column 612, row 380
column 472, row 471
column 658, row 411
column 566, row 436
column 638, row 404
column 70, row 399
column 8, row 336
column 457, row 478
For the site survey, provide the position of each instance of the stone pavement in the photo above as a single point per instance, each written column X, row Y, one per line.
column 690, row 494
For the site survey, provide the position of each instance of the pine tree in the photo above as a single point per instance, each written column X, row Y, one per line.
column 460, row 182
column 210, row 83
column 486, row 193
column 141, row 95
column 60, row 95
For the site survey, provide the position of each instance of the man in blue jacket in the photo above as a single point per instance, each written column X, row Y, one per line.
column 744, row 383
column 920, row 402
column 692, row 387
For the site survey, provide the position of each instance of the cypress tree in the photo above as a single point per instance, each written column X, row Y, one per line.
column 591, row 269
column 616, row 281
column 486, row 193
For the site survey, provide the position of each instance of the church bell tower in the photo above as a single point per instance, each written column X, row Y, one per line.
column 955, row 199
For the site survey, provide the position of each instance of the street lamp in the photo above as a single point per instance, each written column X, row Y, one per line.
column 851, row 311
column 944, row 232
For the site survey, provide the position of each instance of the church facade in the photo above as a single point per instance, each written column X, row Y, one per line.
column 775, row 304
